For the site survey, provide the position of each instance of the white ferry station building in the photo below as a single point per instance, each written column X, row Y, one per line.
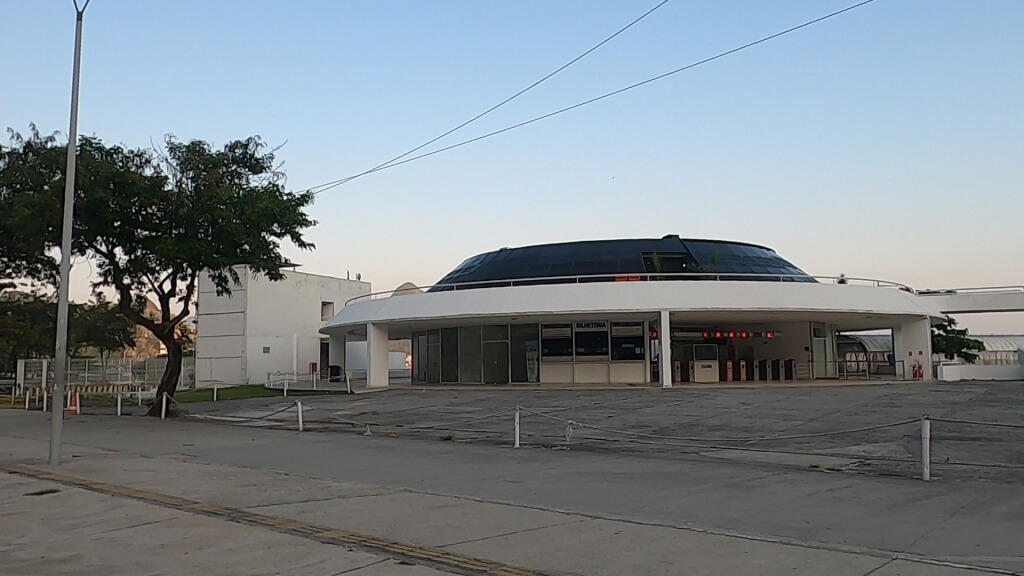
column 636, row 312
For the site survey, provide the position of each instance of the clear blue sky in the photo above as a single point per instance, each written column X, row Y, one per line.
column 886, row 142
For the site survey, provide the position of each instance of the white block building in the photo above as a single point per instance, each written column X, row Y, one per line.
column 267, row 327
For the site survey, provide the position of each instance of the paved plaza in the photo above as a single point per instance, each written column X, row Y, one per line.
column 143, row 496
column 781, row 424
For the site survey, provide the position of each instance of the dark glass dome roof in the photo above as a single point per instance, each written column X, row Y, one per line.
column 609, row 260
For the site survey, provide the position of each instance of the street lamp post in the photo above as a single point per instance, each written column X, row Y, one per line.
column 60, row 352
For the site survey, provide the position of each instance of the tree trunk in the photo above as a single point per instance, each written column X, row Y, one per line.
column 169, row 379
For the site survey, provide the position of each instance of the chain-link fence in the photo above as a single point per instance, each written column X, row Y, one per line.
column 143, row 374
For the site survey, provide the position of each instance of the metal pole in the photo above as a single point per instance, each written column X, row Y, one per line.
column 517, row 428
column 60, row 349
column 163, row 405
column 926, row 449
column 118, row 403
column 298, row 407
column 214, row 391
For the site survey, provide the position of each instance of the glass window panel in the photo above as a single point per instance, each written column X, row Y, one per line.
column 591, row 338
column 450, row 355
column 556, row 341
column 524, row 352
column 470, row 352
column 494, row 333
column 628, row 341
column 495, row 362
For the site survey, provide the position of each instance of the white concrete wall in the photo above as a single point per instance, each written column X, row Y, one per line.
column 234, row 331
column 957, row 372
column 356, row 359
column 912, row 343
column 688, row 301
column 220, row 333
column 789, row 343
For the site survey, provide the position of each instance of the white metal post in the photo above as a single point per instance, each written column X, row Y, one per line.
column 298, row 408
column 118, row 403
column 214, row 391
column 28, row 393
column 665, row 365
column 163, row 406
column 517, row 428
column 295, row 355
column 60, row 348
column 926, row 449
column 286, row 387
column 138, row 394
column 44, row 399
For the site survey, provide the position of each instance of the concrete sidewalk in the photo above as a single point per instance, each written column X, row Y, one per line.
column 116, row 528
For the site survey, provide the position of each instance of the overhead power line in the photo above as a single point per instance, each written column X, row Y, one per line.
column 328, row 186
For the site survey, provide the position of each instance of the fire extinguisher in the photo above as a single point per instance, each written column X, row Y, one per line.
column 918, row 371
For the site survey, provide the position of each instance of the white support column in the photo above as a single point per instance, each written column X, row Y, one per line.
column 336, row 352
column 665, row 343
column 912, row 345
column 376, row 355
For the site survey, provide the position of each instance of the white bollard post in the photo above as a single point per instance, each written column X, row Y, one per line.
column 517, row 427
column 44, row 400
column 138, row 394
column 926, row 449
column 285, row 387
column 163, row 406
column 298, row 408
column 28, row 393
column 214, row 391
column 118, row 403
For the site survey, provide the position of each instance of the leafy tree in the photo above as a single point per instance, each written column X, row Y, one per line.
column 29, row 221
column 100, row 326
column 27, row 325
column 953, row 342
column 151, row 221
column 187, row 337
column 28, row 322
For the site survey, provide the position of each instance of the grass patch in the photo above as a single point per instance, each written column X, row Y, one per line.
column 197, row 395
column 239, row 393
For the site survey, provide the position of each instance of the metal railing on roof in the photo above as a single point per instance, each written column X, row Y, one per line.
column 645, row 277
column 976, row 290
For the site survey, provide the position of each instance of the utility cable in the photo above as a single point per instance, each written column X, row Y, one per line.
column 329, row 185
column 324, row 187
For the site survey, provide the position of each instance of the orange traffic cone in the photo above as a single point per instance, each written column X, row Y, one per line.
column 73, row 405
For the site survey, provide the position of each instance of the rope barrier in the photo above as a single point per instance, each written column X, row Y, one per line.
column 696, row 445
column 244, row 419
column 724, row 439
column 462, row 422
column 977, row 423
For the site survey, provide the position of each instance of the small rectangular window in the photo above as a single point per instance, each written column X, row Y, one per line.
column 628, row 341
column 591, row 338
column 266, row 349
column 326, row 310
column 556, row 341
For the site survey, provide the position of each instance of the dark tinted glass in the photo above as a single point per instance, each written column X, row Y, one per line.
column 669, row 255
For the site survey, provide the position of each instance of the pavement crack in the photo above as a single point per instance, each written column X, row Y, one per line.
column 134, row 526
column 315, row 500
column 364, row 566
column 514, row 532
column 880, row 566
